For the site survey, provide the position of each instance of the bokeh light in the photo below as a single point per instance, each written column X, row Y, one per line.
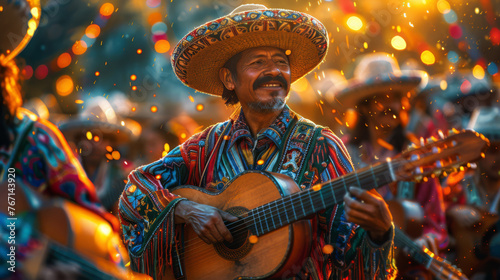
column 427, row 57
column 495, row 36
column 450, row 17
column 465, row 87
column 154, row 18
column 443, row 6
column 354, row 23
column 492, row 68
column 478, row 72
column 443, row 85
column 398, row 43
column 79, row 48
column 107, row 9
column 200, row 107
column 41, row 72
column 453, row 57
column 455, row 31
column 154, row 109
column 93, row 31
column 27, row 72
column 64, row 85
column 133, row 77
column 64, row 60
column 162, row 46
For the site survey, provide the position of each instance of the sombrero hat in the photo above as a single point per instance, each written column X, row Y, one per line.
column 198, row 56
column 459, row 84
column 378, row 73
column 100, row 119
column 19, row 20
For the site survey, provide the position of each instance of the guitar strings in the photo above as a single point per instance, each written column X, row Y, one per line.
column 293, row 199
column 240, row 225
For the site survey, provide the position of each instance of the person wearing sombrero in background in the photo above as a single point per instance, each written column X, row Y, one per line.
column 473, row 199
column 251, row 57
column 37, row 166
column 379, row 91
column 100, row 141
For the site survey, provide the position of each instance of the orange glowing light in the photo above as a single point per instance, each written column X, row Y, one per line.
column 64, row 85
column 226, row 137
column 253, row 239
column 109, row 156
column 96, row 138
column 166, row 147
column 139, row 51
column 116, row 155
column 132, row 188
column 154, row 109
column 97, row 73
column 384, row 144
column 133, row 77
column 327, row 249
column 80, row 47
column 107, row 9
column 134, row 88
column 199, row 107
column 93, row 31
column 133, row 109
column 109, row 149
column 89, row 135
column 79, row 101
column 154, row 18
column 158, row 177
column 427, row 57
column 260, row 162
column 183, row 135
column 64, row 60
column 162, row 46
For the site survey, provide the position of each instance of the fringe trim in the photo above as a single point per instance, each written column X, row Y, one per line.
column 160, row 248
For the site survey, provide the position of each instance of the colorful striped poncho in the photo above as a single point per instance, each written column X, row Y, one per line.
column 212, row 158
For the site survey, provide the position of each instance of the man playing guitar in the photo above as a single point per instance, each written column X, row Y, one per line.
column 251, row 57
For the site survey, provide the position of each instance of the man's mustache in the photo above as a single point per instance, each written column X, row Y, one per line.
column 267, row 79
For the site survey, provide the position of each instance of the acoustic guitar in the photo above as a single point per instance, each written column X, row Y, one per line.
column 68, row 236
column 408, row 216
column 271, row 238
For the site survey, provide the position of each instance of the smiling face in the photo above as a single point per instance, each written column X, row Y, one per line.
column 262, row 79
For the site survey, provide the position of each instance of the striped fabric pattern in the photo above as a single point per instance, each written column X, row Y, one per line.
column 212, row 158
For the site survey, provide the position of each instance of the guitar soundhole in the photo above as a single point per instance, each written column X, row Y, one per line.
column 240, row 246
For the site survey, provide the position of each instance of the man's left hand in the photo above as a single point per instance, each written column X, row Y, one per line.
column 369, row 210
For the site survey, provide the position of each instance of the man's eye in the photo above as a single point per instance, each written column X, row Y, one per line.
column 258, row 62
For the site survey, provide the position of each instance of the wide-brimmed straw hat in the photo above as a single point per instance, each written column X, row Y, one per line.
column 378, row 73
column 18, row 21
column 100, row 118
column 200, row 55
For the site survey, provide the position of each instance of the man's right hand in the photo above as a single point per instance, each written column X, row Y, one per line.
column 206, row 221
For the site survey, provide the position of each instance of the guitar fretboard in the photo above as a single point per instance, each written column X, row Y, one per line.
column 292, row 208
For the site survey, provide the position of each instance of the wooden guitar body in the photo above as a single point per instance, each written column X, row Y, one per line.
column 278, row 253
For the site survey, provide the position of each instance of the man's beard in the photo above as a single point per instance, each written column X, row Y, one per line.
column 276, row 104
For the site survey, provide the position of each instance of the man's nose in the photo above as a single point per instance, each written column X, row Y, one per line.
column 272, row 69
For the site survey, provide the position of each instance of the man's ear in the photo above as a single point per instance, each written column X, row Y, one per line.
column 227, row 78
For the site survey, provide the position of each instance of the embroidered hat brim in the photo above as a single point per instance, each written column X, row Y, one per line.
column 358, row 90
column 198, row 56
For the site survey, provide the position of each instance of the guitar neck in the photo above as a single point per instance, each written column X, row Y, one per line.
column 292, row 208
column 403, row 242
